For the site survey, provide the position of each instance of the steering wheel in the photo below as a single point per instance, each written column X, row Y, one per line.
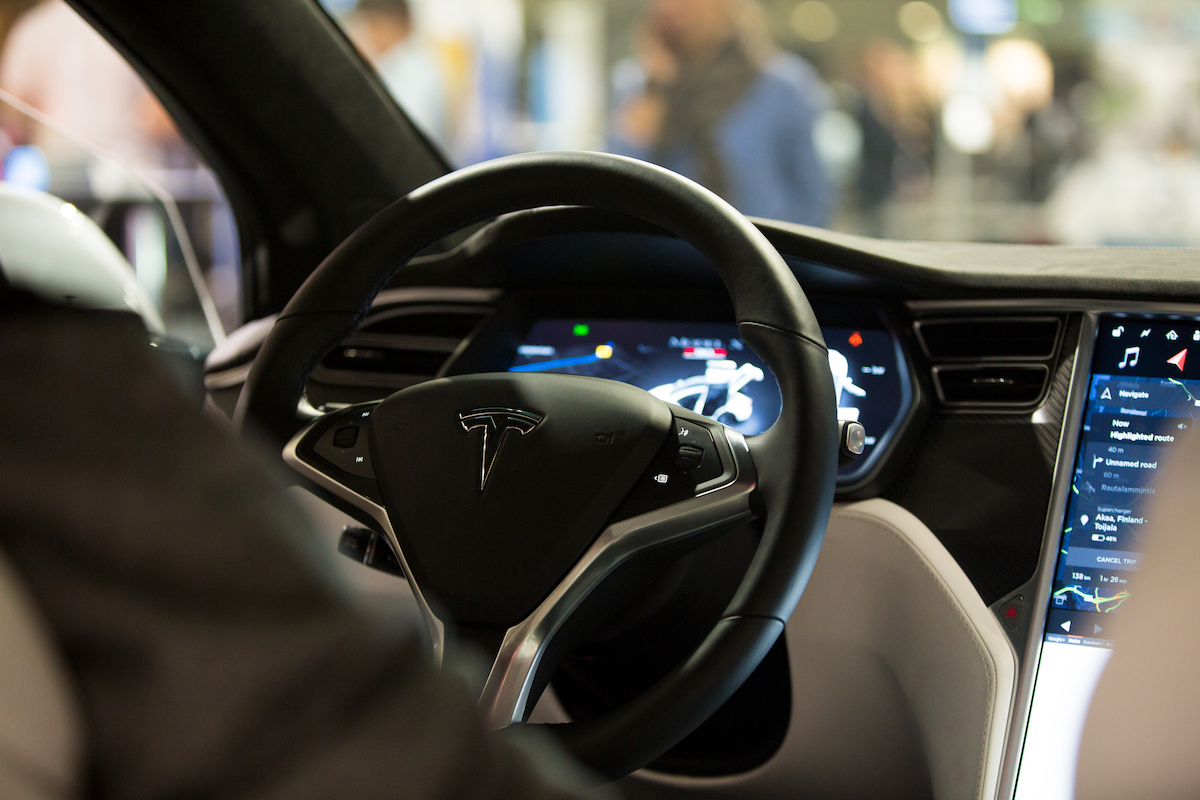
column 509, row 498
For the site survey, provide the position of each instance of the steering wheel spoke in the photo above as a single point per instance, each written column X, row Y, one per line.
column 333, row 453
column 700, row 481
column 714, row 499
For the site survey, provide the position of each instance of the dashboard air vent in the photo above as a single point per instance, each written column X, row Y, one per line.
column 991, row 384
column 421, row 360
column 991, row 363
column 399, row 347
column 449, row 324
column 1008, row 339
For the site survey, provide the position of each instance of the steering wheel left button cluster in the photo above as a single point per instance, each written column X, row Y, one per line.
column 345, row 443
column 335, row 453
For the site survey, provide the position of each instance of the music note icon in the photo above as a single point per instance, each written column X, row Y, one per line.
column 1135, row 352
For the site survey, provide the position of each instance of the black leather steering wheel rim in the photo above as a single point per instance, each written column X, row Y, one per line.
column 796, row 458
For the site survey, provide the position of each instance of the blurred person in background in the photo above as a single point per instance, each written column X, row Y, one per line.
column 896, row 136
column 385, row 33
column 711, row 98
column 1140, row 185
column 876, row 180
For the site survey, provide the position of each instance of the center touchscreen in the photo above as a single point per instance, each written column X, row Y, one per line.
column 705, row 367
column 1143, row 399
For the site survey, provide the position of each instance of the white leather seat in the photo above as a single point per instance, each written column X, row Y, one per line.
column 902, row 679
column 41, row 730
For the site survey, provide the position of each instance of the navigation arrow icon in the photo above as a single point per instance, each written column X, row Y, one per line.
column 1107, row 395
column 1178, row 359
column 1066, row 626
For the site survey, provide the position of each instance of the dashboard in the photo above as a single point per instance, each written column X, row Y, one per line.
column 1026, row 432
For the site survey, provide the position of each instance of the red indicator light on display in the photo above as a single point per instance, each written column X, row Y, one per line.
column 704, row 353
column 856, row 339
column 1179, row 359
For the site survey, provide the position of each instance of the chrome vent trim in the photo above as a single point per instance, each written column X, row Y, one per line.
column 989, row 382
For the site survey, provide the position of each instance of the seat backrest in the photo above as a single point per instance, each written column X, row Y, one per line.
column 41, row 731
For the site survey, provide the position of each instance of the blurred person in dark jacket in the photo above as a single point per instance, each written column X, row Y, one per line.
column 710, row 97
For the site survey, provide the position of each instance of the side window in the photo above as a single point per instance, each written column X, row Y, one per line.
column 76, row 121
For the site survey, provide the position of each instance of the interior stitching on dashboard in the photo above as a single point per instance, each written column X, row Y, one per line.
column 824, row 347
column 980, row 646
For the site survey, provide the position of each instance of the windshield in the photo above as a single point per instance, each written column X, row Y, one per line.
column 1039, row 121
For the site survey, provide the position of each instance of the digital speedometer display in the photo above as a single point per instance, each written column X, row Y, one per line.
column 707, row 368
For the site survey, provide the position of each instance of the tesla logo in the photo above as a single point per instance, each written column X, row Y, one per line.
column 496, row 424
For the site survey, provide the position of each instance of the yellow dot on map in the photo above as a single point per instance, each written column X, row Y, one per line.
column 604, row 351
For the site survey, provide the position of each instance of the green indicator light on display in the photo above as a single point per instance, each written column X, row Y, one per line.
column 581, row 330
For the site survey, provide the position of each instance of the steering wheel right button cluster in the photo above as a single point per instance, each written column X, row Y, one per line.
column 689, row 462
column 696, row 452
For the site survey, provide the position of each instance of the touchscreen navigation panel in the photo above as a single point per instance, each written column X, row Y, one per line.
column 1143, row 399
column 707, row 368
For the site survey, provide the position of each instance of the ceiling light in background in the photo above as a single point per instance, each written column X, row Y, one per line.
column 920, row 21
column 968, row 125
column 941, row 67
column 983, row 17
column 1041, row 12
column 839, row 139
column 26, row 165
column 814, row 21
column 1022, row 71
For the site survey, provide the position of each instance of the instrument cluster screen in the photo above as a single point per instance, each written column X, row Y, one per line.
column 707, row 368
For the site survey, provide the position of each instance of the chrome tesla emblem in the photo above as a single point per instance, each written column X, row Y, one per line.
column 496, row 423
